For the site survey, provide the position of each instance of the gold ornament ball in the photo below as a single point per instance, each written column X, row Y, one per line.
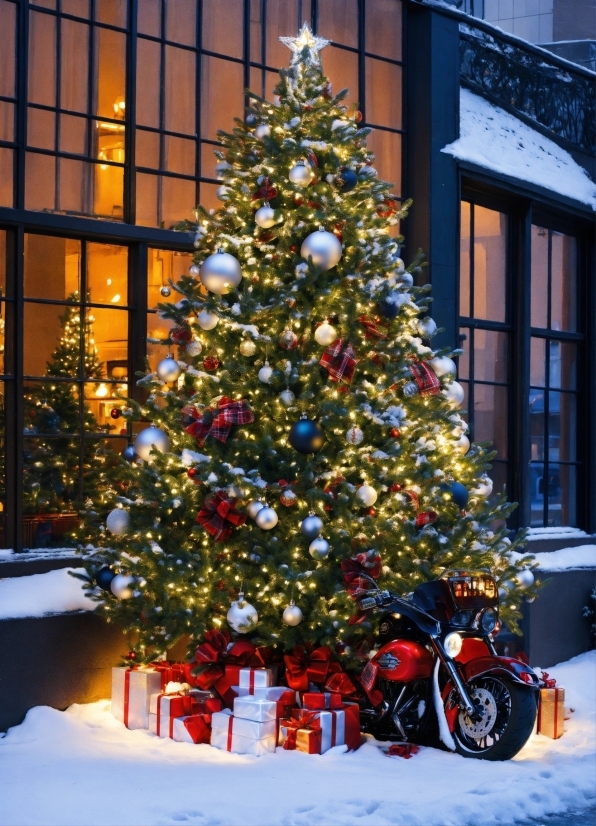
column 248, row 347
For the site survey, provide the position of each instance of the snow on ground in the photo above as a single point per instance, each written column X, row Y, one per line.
column 494, row 139
column 54, row 592
column 565, row 559
column 82, row 766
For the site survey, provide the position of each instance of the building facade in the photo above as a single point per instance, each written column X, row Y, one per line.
column 109, row 111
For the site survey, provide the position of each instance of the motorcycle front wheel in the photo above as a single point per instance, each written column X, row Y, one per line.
column 507, row 722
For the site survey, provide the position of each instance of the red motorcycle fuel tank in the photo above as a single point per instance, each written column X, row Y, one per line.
column 404, row 661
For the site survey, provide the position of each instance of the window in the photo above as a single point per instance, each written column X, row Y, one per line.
column 484, row 332
column 163, row 266
column 553, row 400
column 8, row 97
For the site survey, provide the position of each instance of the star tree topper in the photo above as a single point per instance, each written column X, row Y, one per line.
column 305, row 47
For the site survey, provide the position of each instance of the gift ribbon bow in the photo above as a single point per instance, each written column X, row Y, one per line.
column 181, row 335
column 405, row 750
column 219, row 649
column 547, row 681
column 265, row 192
column 426, row 518
column 304, row 666
column 426, row 379
column 372, row 326
column 292, row 725
column 367, row 562
column 219, row 516
column 339, row 360
column 218, row 423
column 340, row 683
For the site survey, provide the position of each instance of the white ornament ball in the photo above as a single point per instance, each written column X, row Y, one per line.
column 302, row 174
column 319, row 548
column 427, row 327
column 194, row 270
column 207, row 320
column 149, row 438
column 222, row 192
column 248, row 347
column 525, row 578
column 221, row 273
column 443, row 365
column 118, row 522
column 323, row 247
column 262, row 131
column 463, row 444
column 325, row 334
column 287, row 398
column 354, row 435
column 120, row 586
column 367, row 495
column 242, row 616
column 266, row 518
column 454, row 393
column 483, row 488
column 168, row 369
column 265, row 373
column 194, row 348
column 292, row 615
column 311, row 526
column 254, row 507
column 265, row 217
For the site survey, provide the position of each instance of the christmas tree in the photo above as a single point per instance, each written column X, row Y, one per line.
column 306, row 429
column 51, row 413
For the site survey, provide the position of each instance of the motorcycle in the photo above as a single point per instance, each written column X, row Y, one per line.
column 436, row 676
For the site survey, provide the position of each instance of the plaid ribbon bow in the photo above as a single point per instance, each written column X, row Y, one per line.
column 339, row 360
column 426, row 379
column 372, row 325
column 426, row 518
column 266, row 192
column 218, row 423
column 368, row 562
column 219, row 517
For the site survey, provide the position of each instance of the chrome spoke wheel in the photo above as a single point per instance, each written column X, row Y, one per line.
column 481, row 733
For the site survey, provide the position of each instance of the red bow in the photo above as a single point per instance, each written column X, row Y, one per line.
column 426, row 518
column 546, row 681
column 180, row 335
column 218, row 423
column 372, row 325
column 265, row 192
column 308, row 720
column 219, row 517
column 340, row 683
column 304, row 666
column 219, row 648
column 339, row 361
column 426, row 379
column 368, row 562
column 405, row 750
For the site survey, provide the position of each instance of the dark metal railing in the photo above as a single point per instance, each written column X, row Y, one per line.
column 550, row 93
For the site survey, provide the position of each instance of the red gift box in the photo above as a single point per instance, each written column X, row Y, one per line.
column 339, row 726
column 195, row 728
column 322, row 700
column 165, row 708
column 300, row 736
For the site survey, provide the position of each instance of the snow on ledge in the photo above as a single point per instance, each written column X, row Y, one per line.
column 38, row 595
column 494, row 139
column 566, row 559
column 557, row 533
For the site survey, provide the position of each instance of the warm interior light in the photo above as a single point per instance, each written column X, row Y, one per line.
column 101, row 391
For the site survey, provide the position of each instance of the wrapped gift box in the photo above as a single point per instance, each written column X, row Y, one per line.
column 255, row 708
column 299, row 739
column 284, row 698
column 551, row 712
column 338, row 727
column 164, row 708
column 319, row 701
column 131, row 694
column 241, row 736
column 252, row 678
column 193, row 729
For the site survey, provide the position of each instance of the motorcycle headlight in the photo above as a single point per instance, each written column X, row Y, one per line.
column 453, row 643
column 488, row 620
column 462, row 618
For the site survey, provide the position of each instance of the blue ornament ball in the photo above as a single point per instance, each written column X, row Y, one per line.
column 388, row 309
column 306, row 436
column 349, row 180
column 104, row 578
column 458, row 492
column 129, row 454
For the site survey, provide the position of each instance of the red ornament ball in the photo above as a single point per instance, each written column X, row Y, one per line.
column 288, row 498
column 131, row 655
column 115, row 413
column 288, row 340
column 394, row 433
column 395, row 487
column 371, row 512
column 191, row 472
column 211, row 363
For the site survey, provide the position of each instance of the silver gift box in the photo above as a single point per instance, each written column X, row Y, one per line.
column 143, row 682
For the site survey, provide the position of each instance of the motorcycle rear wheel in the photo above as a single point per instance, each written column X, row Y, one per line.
column 510, row 712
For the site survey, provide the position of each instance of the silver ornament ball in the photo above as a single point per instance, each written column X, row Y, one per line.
column 311, row 526
column 266, row 518
column 325, row 334
column 120, row 586
column 220, row 273
column 194, row 270
column 463, row 444
column 301, row 174
column 354, row 435
column 443, row 365
column 323, row 247
column 165, row 291
column 147, row 439
column 262, row 131
column 207, row 320
column 254, row 507
column 525, row 578
column 454, row 393
column 118, row 522
column 366, row 495
column 168, row 369
column 319, row 548
column 194, row 348
column 265, row 373
column 292, row 615
column 287, row 398
column 265, row 216
column 242, row 616
column 248, row 347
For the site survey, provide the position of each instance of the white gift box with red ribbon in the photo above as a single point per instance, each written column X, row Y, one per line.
column 252, row 678
column 131, row 694
column 241, row 736
column 255, row 708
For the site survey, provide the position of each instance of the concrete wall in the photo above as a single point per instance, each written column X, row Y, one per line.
column 544, row 21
